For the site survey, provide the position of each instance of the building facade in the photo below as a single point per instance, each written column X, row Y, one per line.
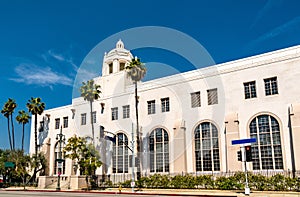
column 187, row 121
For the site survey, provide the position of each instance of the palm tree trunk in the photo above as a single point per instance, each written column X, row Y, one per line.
column 8, row 129
column 23, row 136
column 137, row 132
column 92, row 123
column 12, row 131
column 35, row 134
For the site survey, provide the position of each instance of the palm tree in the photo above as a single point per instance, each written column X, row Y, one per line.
column 35, row 107
column 23, row 118
column 90, row 92
column 7, row 111
column 136, row 70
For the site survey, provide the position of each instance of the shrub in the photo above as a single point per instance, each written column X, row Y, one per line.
column 236, row 182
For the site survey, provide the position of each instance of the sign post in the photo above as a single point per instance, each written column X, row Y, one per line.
column 239, row 142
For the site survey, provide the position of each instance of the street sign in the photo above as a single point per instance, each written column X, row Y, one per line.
column 9, row 164
column 243, row 141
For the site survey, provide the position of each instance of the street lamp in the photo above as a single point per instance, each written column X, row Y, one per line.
column 133, row 157
column 61, row 138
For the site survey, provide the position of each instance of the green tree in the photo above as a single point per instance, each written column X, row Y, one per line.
column 86, row 157
column 35, row 107
column 39, row 163
column 23, row 118
column 7, row 111
column 22, row 162
column 3, row 158
column 136, row 70
column 90, row 92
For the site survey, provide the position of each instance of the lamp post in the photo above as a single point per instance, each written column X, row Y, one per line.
column 133, row 157
column 61, row 138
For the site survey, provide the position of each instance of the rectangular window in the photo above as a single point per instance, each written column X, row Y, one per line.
column 65, row 122
column 250, row 90
column 114, row 113
column 212, row 96
column 151, row 107
column 165, row 104
column 122, row 66
column 94, row 117
column 57, row 123
column 83, row 119
column 126, row 111
column 271, row 86
column 195, row 99
column 110, row 67
column 41, row 129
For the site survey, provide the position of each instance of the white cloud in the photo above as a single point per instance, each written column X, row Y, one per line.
column 84, row 75
column 32, row 74
column 61, row 58
column 56, row 56
column 289, row 26
column 269, row 5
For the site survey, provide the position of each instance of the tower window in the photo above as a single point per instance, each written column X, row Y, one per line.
column 122, row 66
column 110, row 67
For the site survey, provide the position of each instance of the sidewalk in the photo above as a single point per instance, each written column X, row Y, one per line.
column 171, row 192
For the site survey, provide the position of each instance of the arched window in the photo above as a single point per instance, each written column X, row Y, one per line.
column 120, row 154
column 159, row 150
column 266, row 152
column 58, row 154
column 207, row 153
column 122, row 66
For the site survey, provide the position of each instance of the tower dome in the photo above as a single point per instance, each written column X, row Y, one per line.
column 120, row 45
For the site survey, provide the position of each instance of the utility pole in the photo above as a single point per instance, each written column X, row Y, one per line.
column 247, row 189
column 246, row 156
column 133, row 158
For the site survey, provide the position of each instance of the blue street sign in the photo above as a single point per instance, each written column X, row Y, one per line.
column 243, row 141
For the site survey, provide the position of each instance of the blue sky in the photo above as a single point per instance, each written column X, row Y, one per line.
column 43, row 43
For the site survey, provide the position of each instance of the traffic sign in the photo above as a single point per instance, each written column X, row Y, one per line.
column 243, row 141
column 132, row 184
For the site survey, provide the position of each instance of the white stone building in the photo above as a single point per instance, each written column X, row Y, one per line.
column 187, row 120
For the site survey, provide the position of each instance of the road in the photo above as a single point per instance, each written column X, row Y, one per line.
column 50, row 194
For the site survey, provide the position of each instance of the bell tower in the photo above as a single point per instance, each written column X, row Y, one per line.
column 115, row 60
column 114, row 78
